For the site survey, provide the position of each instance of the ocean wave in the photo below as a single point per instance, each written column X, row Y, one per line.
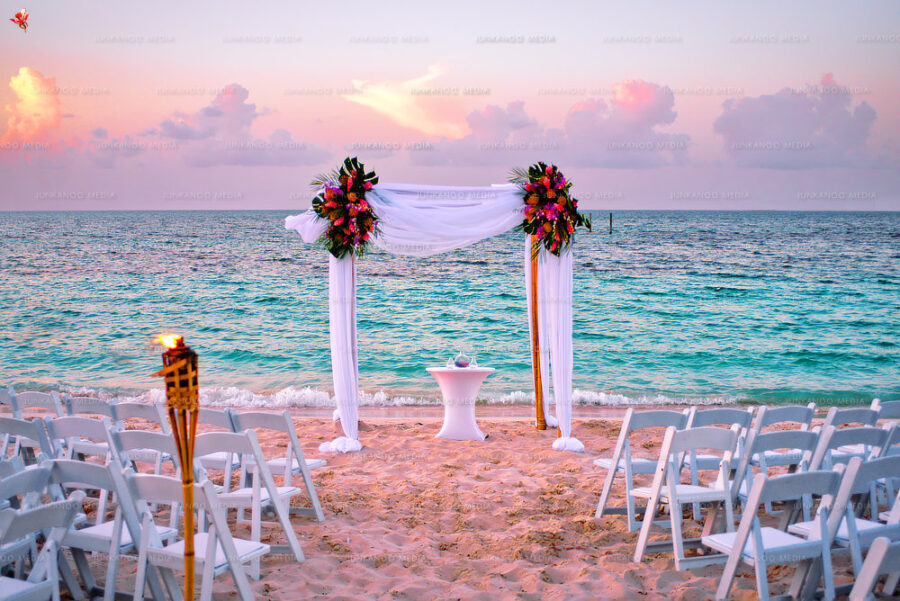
column 292, row 396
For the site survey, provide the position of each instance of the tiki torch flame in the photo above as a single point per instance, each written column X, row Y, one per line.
column 170, row 340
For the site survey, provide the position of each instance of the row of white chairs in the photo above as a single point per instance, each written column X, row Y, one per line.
column 62, row 522
column 692, row 443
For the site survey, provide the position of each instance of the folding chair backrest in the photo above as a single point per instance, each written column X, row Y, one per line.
column 758, row 443
column 76, row 427
column 238, row 443
column 794, row 487
column 32, row 399
column 874, row 470
column 707, row 437
column 32, row 482
column 655, row 418
column 17, row 524
column 887, row 409
column 721, row 416
column 851, row 415
column 69, row 473
column 831, row 438
column 32, row 430
column 767, row 416
column 219, row 418
column 151, row 412
column 263, row 420
column 128, row 443
column 6, row 398
column 87, row 405
column 10, row 466
column 883, row 558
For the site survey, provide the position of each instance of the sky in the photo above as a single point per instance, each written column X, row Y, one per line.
column 644, row 105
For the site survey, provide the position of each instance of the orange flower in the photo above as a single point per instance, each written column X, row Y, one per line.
column 352, row 197
column 343, row 179
column 533, row 199
column 548, row 227
column 551, row 193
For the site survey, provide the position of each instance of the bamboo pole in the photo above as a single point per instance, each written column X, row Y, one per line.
column 535, row 341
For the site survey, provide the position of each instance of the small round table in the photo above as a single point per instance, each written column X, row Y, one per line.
column 459, row 386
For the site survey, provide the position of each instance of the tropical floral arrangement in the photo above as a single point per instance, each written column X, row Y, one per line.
column 341, row 199
column 551, row 213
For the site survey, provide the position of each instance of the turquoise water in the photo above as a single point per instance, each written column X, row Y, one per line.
column 673, row 306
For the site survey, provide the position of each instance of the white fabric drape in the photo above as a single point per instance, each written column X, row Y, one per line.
column 543, row 332
column 344, row 359
column 556, row 294
column 427, row 220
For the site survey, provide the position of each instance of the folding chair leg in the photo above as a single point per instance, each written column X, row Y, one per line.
column 84, row 568
column 677, row 540
column 644, row 536
column 604, row 493
column 311, row 492
column 68, row 577
column 762, row 580
column 728, row 574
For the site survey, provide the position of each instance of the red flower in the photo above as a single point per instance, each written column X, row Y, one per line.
column 546, row 182
column 339, row 220
column 21, row 19
column 549, row 169
column 367, row 185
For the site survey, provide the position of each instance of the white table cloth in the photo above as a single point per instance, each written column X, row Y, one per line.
column 459, row 387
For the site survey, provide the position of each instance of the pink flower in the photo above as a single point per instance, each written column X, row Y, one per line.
column 367, row 185
column 350, row 183
column 546, row 182
column 549, row 169
column 339, row 220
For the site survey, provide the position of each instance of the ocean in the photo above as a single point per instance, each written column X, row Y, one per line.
column 672, row 307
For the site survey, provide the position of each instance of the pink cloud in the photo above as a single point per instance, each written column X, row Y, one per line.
column 621, row 133
column 798, row 129
column 37, row 111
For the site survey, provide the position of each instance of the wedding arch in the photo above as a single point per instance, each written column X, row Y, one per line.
column 351, row 209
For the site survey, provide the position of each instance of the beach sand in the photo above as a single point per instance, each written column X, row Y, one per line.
column 415, row 517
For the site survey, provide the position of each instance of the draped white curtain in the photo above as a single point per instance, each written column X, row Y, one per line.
column 422, row 221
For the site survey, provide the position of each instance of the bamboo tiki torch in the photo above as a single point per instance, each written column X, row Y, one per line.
column 535, row 341
column 180, row 373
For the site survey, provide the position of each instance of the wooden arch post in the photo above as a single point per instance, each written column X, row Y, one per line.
column 535, row 342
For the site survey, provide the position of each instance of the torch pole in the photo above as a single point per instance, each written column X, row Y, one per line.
column 180, row 372
column 535, row 341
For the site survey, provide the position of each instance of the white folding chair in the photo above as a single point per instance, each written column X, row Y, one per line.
column 216, row 552
column 113, row 538
column 762, row 546
column 886, row 409
column 6, row 402
column 883, row 558
column 718, row 416
column 667, row 488
column 623, row 462
column 870, row 441
column 259, row 494
column 52, row 521
column 789, row 414
column 293, row 461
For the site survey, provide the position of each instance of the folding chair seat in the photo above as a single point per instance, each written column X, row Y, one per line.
column 883, row 558
column 292, row 462
column 762, row 546
column 215, row 550
column 624, row 463
column 667, row 488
